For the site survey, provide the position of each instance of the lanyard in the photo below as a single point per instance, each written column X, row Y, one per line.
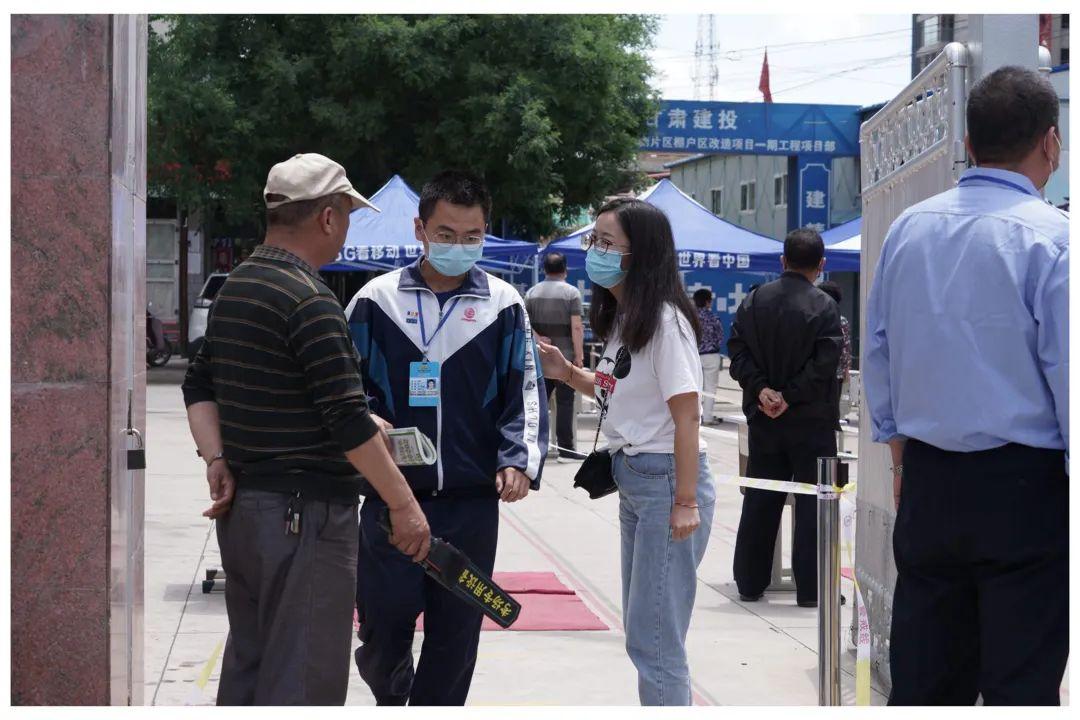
column 998, row 181
column 442, row 321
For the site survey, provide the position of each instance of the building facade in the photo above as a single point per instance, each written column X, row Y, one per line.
column 931, row 33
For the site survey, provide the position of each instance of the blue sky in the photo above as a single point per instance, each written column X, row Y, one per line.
column 823, row 58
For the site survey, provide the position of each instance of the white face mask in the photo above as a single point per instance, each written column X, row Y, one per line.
column 1053, row 169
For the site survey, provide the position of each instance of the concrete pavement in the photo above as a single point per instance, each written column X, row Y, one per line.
column 760, row 653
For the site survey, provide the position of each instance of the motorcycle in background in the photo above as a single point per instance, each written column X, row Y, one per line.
column 158, row 348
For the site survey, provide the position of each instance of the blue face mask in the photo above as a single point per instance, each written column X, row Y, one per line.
column 604, row 270
column 453, row 259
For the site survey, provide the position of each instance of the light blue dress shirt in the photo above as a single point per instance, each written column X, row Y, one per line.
column 967, row 322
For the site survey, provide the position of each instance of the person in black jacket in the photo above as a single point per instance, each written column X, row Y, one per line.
column 784, row 349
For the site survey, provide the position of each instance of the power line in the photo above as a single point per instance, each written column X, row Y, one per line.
column 830, row 75
column 811, row 70
column 787, row 46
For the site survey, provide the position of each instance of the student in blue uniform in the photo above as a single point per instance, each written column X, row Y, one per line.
column 446, row 348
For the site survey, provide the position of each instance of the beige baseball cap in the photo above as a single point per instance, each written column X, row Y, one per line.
column 308, row 176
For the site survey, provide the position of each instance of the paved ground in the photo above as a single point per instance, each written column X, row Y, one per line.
column 740, row 654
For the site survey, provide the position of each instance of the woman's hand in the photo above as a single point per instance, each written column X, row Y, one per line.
column 553, row 362
column 684, row 521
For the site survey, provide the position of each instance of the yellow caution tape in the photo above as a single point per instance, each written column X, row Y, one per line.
column 777, row 485
column 197, row 692
column 863, row 646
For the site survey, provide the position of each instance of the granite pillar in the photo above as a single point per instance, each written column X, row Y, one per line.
column 78, row 109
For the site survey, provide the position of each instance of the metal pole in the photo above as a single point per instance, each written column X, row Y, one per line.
column 828, row 581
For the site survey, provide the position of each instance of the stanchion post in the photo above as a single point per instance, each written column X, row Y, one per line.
column 828, row 566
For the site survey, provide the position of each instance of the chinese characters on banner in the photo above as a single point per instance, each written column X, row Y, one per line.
column 813, row 174
column 388, row 254
column 758, row 128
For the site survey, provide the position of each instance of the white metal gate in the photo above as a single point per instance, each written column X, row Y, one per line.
column 163, row 268
column 912, row 149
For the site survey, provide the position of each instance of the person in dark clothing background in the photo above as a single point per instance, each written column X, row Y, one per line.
column 554, row 308
column 843, row 370
column 784, row 349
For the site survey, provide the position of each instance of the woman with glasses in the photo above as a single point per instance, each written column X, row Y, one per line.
column 648, row 385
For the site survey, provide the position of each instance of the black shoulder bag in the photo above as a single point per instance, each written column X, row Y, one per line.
column 594, row 476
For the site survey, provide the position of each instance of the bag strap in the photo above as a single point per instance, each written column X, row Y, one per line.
column 603, row 414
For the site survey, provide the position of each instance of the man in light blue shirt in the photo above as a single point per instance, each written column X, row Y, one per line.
column 966, row 376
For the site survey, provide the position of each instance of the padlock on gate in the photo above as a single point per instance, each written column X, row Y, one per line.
column 136, row 458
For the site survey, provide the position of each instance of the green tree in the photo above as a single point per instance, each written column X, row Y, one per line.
column 548, row 108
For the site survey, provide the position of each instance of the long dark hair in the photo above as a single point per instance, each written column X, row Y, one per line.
column 652, row 280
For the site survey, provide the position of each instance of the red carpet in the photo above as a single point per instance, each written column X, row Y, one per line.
column 546, row 604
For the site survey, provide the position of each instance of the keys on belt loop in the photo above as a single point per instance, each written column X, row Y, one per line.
column 292, row 514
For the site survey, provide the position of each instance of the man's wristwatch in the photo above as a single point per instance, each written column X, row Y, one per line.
column 219, row 456
column 898, row 470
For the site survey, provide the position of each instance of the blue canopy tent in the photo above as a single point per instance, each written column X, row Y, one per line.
column 384, row 240
column 843, row 247
column 702, row 240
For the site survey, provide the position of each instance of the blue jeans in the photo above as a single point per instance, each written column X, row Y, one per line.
column 659, row 575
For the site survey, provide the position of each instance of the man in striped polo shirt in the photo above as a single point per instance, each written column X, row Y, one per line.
column 278, row 411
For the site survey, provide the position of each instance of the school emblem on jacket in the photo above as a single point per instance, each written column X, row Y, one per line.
column 469, row 314
column 412, row 317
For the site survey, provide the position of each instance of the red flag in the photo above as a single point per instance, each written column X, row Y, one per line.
column 1046, row 30
column 763, row 83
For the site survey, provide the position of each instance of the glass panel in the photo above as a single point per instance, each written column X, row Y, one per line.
column 161, row 242
column 717, row 202
column 160, row 271
column 161, row 296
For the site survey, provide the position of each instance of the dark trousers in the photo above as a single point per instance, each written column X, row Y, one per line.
column 982, row 588
column 565, row 430
column 781, row 450
column 391, row 591
column 289, row 599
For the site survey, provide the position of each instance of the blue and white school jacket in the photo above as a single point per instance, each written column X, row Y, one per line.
column 492, row 411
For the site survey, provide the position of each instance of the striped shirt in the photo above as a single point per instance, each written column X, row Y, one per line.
column 279, row 363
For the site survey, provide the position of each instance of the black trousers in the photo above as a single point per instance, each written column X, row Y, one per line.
column 781, row 450
column 982, row 589
column 565, row 431
column 288, row 644
column 392, row 590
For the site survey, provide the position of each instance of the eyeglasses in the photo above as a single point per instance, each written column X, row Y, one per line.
column 602, row 245
column 446, row 237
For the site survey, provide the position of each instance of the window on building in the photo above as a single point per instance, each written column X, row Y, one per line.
column 1065, row 21
column 1064, row 56
column 716, row 197
column 780, row 190
column 746, row 196
column 935, row 29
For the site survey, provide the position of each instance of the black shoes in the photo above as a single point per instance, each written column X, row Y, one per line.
column 751, row 598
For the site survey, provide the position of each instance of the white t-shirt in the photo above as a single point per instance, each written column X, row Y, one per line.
column 636, row 386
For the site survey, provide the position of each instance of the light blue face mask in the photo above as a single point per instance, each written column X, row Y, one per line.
column 605, row 270
column 453, row 259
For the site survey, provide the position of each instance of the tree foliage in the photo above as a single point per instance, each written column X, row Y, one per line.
column 548, row 108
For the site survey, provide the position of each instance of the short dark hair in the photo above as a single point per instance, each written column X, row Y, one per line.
column 293, row 213
column 456, row 187
column 703, row 297
column 554, row 263
column 1008, row 112
column 803, row 249
column 831, row 289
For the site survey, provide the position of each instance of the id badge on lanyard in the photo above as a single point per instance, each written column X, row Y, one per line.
column 424, row 377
